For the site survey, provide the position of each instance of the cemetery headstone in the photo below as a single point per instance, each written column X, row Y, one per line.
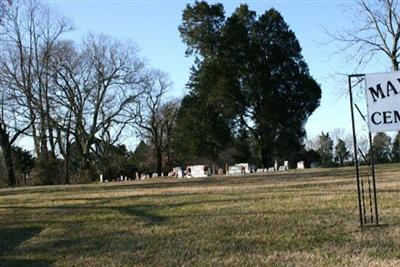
column 234, row 170
column 286, row 164
column 300, row 165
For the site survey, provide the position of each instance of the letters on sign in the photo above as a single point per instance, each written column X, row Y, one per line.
column 383, row 101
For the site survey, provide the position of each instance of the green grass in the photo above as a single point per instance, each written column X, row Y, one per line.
column 305, row 218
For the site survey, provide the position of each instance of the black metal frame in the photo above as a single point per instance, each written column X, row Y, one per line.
column 371, row 164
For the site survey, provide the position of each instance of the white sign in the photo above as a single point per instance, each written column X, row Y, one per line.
column 383, row 101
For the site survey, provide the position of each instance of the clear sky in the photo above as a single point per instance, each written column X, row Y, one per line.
column 153, row 25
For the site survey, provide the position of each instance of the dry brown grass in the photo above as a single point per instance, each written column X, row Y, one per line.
column 305, row 218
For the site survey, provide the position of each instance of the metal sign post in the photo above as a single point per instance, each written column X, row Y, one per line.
column 373, row 218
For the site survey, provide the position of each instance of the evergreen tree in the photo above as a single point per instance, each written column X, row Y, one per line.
column 200, row 131
column 325, row 150
column 250, row 69
column 382, row 148
column 342, row 154
column 396, row 148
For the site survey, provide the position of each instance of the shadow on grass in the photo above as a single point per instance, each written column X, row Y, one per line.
column 146, row 215
column 12, row 237
column 16, row 262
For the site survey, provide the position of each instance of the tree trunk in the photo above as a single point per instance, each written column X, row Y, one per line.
column 395, row 64
column 66, row 162
column 12, row 180
column 6, row 147
column 266, row 156
column 159, row 161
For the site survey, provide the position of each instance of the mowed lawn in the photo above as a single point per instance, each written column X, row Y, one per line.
column 307, row 218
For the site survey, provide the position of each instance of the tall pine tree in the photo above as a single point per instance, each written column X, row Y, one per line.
column 250, row 69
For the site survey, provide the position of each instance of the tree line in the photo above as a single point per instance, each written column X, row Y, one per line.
column 250, row 94
column 336, row 150
column 75, row 101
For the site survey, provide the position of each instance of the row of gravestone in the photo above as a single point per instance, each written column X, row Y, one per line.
column 125, row 178
column 198, row 171
column 285, row 167
column 276, row 167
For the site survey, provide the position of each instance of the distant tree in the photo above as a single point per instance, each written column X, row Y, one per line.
column 311, row 157
column 382, row 148
column 396, row 149
column 325, row 150
column 114, row 162
column 169, row 113
column 201, row 131
column 143, row 158
column 341, row 152
column 24, row 160
column 348, row 140
column 153, row 117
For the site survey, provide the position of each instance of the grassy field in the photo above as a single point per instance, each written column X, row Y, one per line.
column 305, row 218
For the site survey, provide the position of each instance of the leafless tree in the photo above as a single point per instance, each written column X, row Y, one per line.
column 31, row 31
column 70, row 96
column 169, row 113
column 98, row 87
column 11, row 126
column 375, row 29
column 152, row 123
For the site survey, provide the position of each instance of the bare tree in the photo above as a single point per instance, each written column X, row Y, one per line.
column 11, row 126
column 151, row 123
column 4, row 6
column 375, row 29
column 31, row 31
column 169, row 113
column 97, row 90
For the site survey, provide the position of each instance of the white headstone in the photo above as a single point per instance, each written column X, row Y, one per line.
column 178, row 172
column 300, row 165
column 197, row 171
column 234, row 170
column 101, row 178
column 286, row 164
column 276, row 165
